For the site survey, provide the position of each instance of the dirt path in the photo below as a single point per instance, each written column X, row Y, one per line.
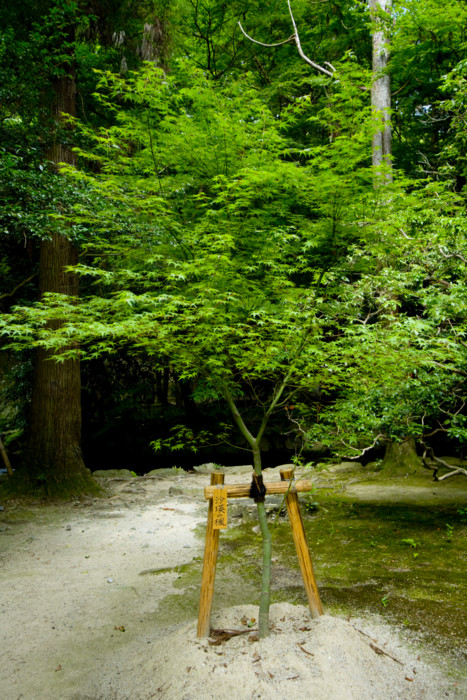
column 80, row 587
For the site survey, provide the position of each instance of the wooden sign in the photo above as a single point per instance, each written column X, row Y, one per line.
column 219, row 502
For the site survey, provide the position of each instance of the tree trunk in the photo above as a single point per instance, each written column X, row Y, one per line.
column 401, row 458
column 54, row 463
column 381, row 90
column 265, row 599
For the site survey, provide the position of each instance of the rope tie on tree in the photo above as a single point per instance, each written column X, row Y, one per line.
column 257, row 489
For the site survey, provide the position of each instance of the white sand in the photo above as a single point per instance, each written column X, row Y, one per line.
column 324, row 659
column 71, row 576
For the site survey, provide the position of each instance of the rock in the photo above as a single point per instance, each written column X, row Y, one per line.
column 175, row 491
column 208, row 468
column 276, row 470
column 345, row 467
column 68, row 527
column 242, row 469
column 112, row 474
column 166, row 473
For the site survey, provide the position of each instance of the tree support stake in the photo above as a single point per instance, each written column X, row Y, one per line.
column 288, row 487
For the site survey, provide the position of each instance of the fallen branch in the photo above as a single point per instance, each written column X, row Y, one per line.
column 222, row 635
column 376, row 649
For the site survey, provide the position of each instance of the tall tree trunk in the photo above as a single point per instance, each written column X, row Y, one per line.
column 54, row 462
column 381, row 90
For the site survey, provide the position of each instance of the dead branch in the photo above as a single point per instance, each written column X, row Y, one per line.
column 219, row 636
column 376, row 649
column 296, row 39
column 260, row 43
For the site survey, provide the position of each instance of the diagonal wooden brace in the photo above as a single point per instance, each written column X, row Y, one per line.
column 301, row 545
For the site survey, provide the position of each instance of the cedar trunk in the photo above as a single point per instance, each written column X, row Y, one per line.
column 53, row 458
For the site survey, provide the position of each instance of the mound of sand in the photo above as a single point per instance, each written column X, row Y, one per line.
column 325, row 659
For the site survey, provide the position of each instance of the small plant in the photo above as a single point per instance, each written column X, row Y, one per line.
column 178, row 470
column 463, row 513
column 449, row 532
column 133, row 473
column 385, row 600
column 311, row 505
column 411, row 542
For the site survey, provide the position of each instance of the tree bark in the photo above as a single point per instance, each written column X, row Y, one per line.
column 265, row 598
column 401, row 458
column 381, row 90
column 53, row 461
column 254, row 442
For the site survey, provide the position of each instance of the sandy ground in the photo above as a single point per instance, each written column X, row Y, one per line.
column 78, row 614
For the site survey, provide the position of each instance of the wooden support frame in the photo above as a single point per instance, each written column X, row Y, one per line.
column 286, row 486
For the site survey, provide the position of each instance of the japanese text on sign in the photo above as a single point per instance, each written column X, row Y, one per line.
column 219, row 503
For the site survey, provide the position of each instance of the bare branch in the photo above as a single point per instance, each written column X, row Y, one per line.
column 373, row 313
column 434, row 432
column 260, row 43
column 367, row 449
column 296, row 39
column 18, row 286
column 438, row 462
column 299, row 46
column 454, row 255
column 393, row 94
column 458, row 470
column 409, row 238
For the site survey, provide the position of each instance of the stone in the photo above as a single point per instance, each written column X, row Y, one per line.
column 208, row 468
column 345, row 467
column 175, row 491
column 166, row 473
column 112, row 474
column 241, row 469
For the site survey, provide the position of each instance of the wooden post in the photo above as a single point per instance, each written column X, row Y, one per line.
column 209, row 567
column 301, row 545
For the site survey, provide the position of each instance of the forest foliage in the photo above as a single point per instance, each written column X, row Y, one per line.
column 235, row 249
